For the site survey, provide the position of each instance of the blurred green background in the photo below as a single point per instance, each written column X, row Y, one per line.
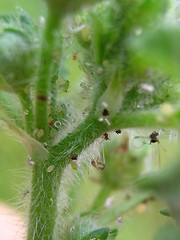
column 15, row 176
column 13, row 157
column 34, row 8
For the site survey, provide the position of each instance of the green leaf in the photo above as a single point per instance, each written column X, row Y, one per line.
column 113, row 233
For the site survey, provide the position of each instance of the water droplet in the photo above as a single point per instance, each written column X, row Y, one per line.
column 57, row 124
column 147, row 87
column 50, row 168
column 101, row 119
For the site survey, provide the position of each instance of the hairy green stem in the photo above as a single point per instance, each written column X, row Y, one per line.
column 88, row 131
column 43, row 208
column 43, row 83
column 73, row 144
column 144, row 119
column 47, row 175
column 54, row 92
column 45, row 179
column 46, row 184
column 28, row 111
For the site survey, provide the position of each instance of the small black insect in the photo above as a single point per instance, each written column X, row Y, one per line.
column 154, row 137
column 119, row 131
column 105, row 112
column 106, row 136
column 74, row 157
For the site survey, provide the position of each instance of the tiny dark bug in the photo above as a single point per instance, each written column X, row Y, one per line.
column 105, row 112
column 118, row 131
column 154, row 137
column 74, row 57
column 74, row 157
column 106, row 136
column 51, row 123
column 42, row 97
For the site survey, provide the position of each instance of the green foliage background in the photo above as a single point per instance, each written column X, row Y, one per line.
column 149, row 224
column 13, row 157
column 33, row 8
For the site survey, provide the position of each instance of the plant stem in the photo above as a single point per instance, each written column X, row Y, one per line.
column 45, row 68
column 45, row 179
column 88, row 131
column 73, row 144
column 43, row 208
column 28, row 111
column 45, row 185
column 144, row 119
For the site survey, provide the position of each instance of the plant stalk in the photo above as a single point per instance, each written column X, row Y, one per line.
column 45, row 70
column 43, row 207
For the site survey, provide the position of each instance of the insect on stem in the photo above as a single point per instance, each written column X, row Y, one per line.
column 153, row 139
